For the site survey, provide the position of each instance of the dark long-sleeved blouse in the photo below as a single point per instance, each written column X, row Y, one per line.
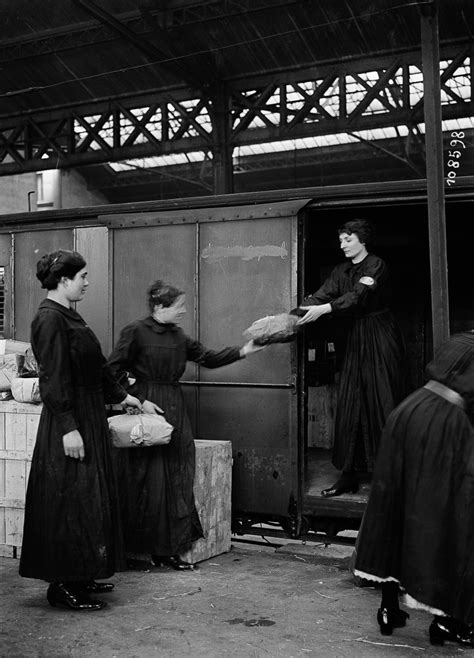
column 137, row 349
column 355, row 289
column 69, row 357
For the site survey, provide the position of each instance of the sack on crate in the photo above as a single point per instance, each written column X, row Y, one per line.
column 139, row 430
column 26, row 389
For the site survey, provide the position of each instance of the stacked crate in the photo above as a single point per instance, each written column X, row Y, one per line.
column 18, row 427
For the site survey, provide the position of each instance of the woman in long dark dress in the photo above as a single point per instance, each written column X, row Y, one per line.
column 158, row 509
column 72, row 527
column 371, row 380
column 418, row 528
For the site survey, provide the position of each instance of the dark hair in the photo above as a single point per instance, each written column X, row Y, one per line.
column 162, row 293
column 52, row 267
column 362, row 228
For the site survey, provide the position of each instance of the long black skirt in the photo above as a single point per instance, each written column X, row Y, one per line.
column 156, row 484
column 72, row 525
column 372, row 384
column 418, row 528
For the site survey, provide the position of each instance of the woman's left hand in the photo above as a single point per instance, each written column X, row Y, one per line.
column 149, row 407
column 131, row 401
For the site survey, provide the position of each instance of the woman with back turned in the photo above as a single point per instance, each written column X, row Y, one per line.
column 418, row 528
column 72, row 532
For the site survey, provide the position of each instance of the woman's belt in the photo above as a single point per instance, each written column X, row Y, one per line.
column 445, row 392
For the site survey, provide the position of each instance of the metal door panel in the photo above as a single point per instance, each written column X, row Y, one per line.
column 29, row 247
column 247, row 270
column 142, row 255
column 6, row 263
column 245, row 273
column 257, row 421
column 92, row 243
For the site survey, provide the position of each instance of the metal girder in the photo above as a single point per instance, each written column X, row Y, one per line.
column 114, row 134
column 339, row 98
column 345, row 100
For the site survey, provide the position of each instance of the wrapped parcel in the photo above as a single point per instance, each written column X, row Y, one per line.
column 139, row 430
column 273, row 329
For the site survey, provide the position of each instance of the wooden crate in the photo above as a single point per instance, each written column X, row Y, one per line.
column 18, row 427
column 212, row 492
column 212, row 486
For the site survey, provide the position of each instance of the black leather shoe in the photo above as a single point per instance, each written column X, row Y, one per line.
column 388, row 619
column 62, row 594
column 448, row 629
column 173, row 561
column 345, row 484
column 91, row 587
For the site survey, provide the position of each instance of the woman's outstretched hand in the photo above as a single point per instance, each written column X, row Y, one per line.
column 149, row 407
column 74, row 445
column 314, row 312
column 132, row 401
column 250, row 348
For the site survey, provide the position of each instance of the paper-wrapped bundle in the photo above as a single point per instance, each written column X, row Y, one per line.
column 272, row 329
column 139, row 430
column 26, row 389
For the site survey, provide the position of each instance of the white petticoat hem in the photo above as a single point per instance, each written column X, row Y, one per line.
column 407, row 599
column 416, row 605
column 376, row 579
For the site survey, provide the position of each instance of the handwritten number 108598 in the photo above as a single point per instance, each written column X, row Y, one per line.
column 454, row 155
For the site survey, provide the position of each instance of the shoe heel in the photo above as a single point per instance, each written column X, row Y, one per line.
column 386, row 628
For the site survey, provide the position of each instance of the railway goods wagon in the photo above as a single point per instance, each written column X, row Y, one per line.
column 241, row 257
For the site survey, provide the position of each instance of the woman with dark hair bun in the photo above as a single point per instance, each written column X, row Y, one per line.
column 72, row 534
column 158, row 510
column 371, row 379
column 418, row 528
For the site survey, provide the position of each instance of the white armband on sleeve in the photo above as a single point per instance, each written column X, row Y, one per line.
column 367, row 280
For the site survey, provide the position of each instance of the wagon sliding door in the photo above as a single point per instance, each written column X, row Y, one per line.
column 247, row 270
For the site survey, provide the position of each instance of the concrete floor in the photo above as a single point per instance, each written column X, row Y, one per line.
column 254, row 601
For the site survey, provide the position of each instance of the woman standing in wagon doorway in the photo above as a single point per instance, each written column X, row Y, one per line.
column 158, row 509
column 371, row 379
column 72, row 533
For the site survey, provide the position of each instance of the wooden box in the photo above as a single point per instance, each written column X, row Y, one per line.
column 18, row 427
column 212, row 493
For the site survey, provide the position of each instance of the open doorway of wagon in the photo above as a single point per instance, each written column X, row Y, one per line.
column 401, row 231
